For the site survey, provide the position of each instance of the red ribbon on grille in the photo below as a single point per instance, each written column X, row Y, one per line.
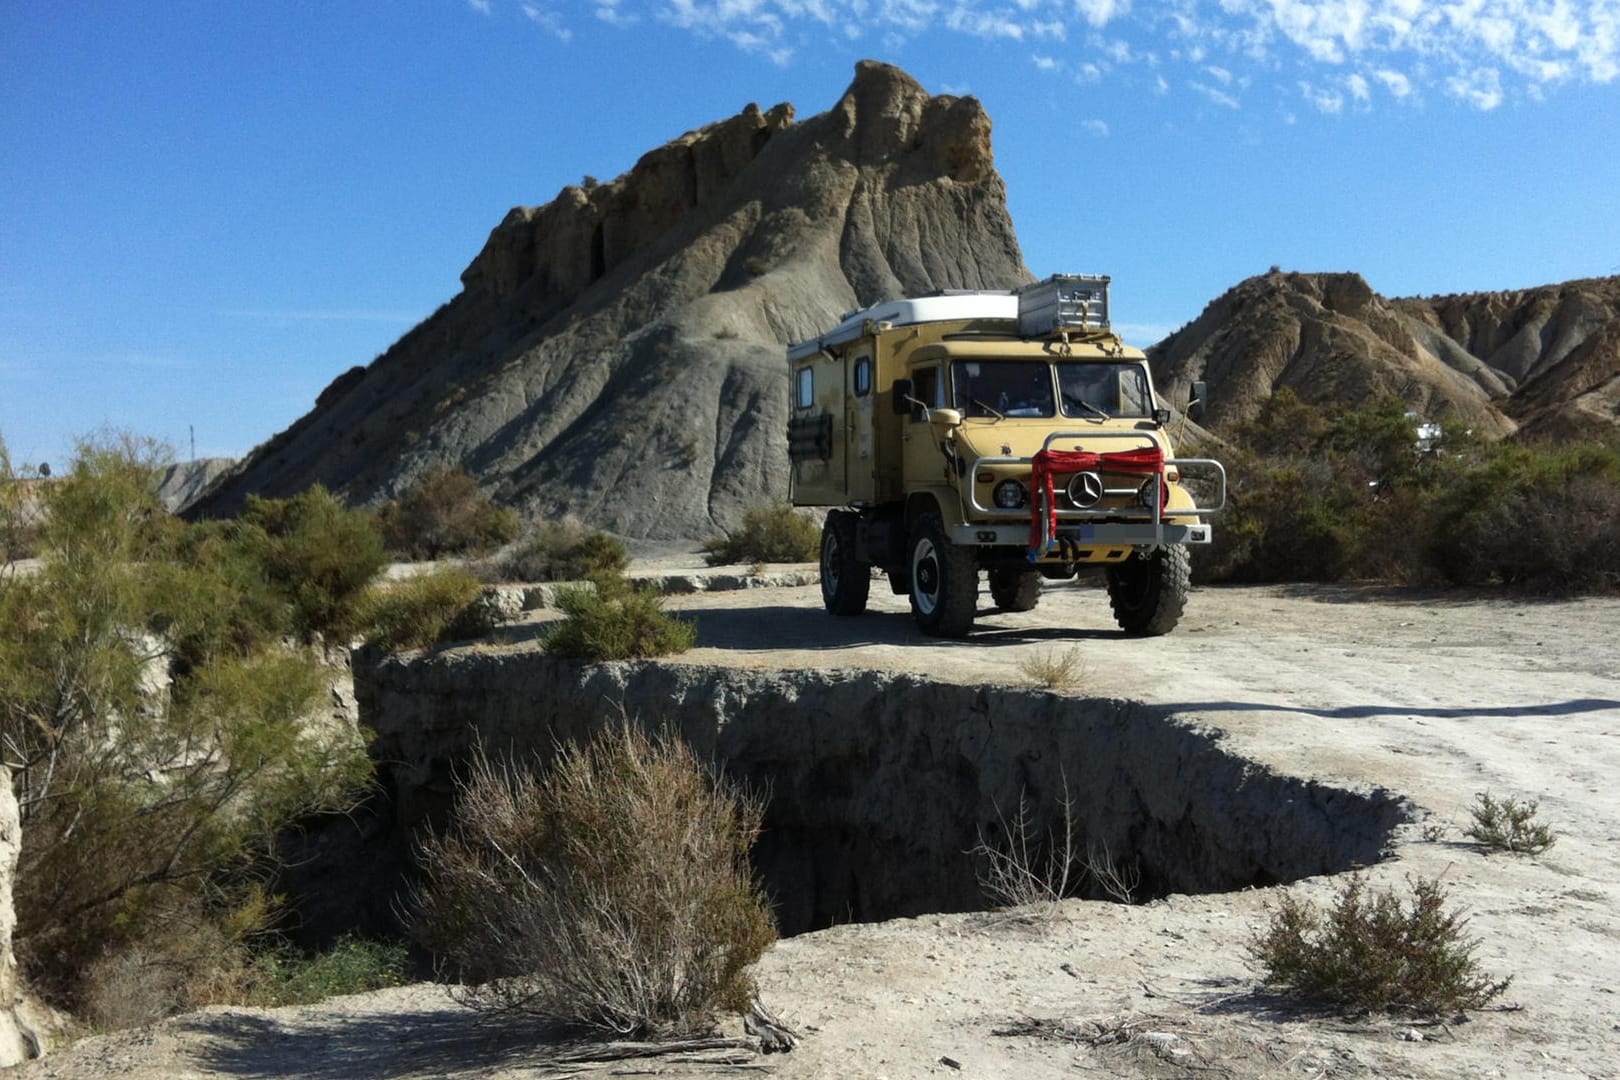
column 1147, row 461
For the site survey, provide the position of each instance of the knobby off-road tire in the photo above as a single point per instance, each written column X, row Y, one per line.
column 845, row 580
column 944, row 581
column 1148, row 595
column 1015, row 590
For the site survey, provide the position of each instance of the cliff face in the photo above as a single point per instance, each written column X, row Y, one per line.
column 1560, row 344
column 1544, row 360
column 618, row 352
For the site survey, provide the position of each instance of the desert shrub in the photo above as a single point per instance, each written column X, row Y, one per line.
column 564, row 550
column 421, row 610
column 445, row 514
column 1539, row 518
column 1054, row 670
column 1319, row 498
column 1371, row 952
column 283, row 975
column 610, row 618
column 178, row 742
column 318, row 555
column 1032, row 868
column 209, row 962
column 613, row 890
column 1027, row 866
column 774, row 532
column 1508, row 825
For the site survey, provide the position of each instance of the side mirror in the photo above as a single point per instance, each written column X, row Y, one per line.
column 902, row 397
column 945, row 417
column 1161, row 417
column 1195, row 401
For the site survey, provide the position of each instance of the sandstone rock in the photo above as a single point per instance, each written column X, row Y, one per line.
column 617, row 353
column 1333, row 340
column 19, row 1038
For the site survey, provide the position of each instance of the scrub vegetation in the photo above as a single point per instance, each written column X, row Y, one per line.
column 1355, row 496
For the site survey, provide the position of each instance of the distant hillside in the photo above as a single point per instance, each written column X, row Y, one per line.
column 1559, row 344
column 617, row 353
column 1540, row 360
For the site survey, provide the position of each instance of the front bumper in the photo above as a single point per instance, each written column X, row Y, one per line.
column 1084, row 534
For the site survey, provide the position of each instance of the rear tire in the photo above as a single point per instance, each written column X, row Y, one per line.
column 845, row 580
column 944, row 581
column 1148, row 595
column 1015, row 590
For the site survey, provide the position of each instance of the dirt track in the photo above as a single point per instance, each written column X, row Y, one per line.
column 1435, row 697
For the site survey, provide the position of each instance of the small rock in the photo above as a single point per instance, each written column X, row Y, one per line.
column 1411, row 1035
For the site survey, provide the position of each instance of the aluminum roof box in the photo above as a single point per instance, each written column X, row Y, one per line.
column 1063, row 302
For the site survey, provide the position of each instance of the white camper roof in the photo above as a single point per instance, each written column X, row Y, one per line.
column 924, row 309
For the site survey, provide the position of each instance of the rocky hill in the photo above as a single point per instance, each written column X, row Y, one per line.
column 1543, row 360
column 617, row 352
column 1559, row 344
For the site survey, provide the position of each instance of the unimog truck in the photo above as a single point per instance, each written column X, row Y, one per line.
column 1010, row 432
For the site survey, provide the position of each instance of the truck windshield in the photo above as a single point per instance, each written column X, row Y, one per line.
column 1097, row 388
column 1000, row 388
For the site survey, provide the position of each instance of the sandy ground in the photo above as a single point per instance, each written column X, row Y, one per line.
column 1437, row 697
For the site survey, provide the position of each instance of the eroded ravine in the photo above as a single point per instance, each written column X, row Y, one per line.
column 880, row 786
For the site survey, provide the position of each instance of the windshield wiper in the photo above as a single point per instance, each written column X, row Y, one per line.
column 1088, row 405
column 988, row 409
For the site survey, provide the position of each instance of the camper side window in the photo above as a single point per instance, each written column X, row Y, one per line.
column 863, row 377
column 804, row 394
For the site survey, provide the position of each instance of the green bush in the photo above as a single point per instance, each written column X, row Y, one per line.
column 318, row 554
column 1509, row 825
column 564, row 550
column 774, row 532
column 1369, row 952
column 282, row 975
column 421, row 610
column 445, row 514
column 608, row 618
column 1352, row 497
column 179, row 737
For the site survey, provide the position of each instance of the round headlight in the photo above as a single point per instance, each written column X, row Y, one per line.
column 1149, row 493
column 1010, row 495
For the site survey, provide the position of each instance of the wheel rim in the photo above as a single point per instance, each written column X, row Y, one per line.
column 925, row 576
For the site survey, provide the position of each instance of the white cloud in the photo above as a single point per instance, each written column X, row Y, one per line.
column 1233, row 47
column 1324, row 100
column 608, row 11
column 548, row 19
column 480, row 6
column 1045, row 63
column 1098, row 128
column 1219, row 97
column 1481, row 88
column 1398, row 85
column 1099, row 13
column 1088, row 73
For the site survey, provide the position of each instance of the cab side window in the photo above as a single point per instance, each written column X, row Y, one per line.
column 927, row 388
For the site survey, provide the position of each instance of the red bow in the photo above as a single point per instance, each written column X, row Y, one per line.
column 1147, row 461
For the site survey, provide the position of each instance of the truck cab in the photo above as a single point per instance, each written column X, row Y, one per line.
column 1009, row 432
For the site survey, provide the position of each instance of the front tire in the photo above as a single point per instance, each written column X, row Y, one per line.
column 845, row 580
column 944, row 581
column 1015, row 590
column 1149, row 594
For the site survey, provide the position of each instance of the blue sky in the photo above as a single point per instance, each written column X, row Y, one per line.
column 208, row 210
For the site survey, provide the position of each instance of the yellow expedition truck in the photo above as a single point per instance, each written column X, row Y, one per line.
column 1011, row 432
